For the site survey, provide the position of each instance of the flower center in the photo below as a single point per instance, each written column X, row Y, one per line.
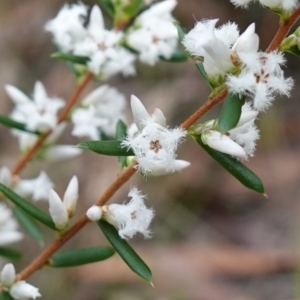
column 155, row 39
column 155, row 146
column 102, row 46
column 133, row 215
column 261, row 77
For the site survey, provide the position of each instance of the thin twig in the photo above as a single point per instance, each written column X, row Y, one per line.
column 63, row 115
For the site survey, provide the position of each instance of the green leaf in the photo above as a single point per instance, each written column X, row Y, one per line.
column 10, row 253
column 8, row 122
column 130, row 257
column 78, row 257
column 121, row 132
column 202, row 71
column 235, row 168
column 29, row 224
column 28, row 207
column 81, row 60
column 230, row 113
column 107, row 6
column 133, row 7
column 109, row 147
column 177, row 56
column 181, row 32
column 294, row 50
column 5, row 296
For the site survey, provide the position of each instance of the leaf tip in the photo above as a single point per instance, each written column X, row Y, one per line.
column 151, row 283
column 265, row 195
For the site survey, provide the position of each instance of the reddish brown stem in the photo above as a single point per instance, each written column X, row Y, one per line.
column 283, row 30
column 40, row 261
column 63, row 115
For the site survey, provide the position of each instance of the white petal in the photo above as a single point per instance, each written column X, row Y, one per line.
column 62, row 152
column 248, row 41
column 178, row 166
column 57, row 211
column 140, row 114
column 22, row 290
column 71, row 196
column 5, row 176
column 96, row 95
column 8, row 275
column 39, row 92
column 94, row 213
column 10, row 237
column 158, row 117
column 96, row 23
column 17, row 96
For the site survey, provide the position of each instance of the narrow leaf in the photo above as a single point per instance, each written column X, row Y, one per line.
column 81, row 60
column 109, row 147
column 181, row 32
column 10, row 253
column 5, row 296
column 130, row 257
column 107, row 6
column 202, row 71
column 294, row 50
column 121, row 132
column 230, row 113
column 235, row 168
column 29, row 224
column 82, row 256
column 28, row 207
column 8, row 122
column 177, row 56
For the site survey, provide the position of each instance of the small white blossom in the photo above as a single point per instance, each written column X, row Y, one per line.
column 22, row 290
column 37, row 188
column 261, row 78
column 287, row 5
column 58, row 211
column 94, row 213
column 8, row 274
column 9, row 233
column 38, row 114
column 153, row 33
column 71, row 196
column 130, row 218
column 154, row 145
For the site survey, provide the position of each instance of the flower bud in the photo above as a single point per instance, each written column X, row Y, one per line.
column 71, row 196
column 8, row 275
column 94, row 213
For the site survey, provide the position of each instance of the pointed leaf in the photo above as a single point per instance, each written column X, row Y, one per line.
column 202, row 71
column 181, row 32
column 8, row 122
column 10, row 253
column 121, row 132
column 107, row 6
column 28, row 224
column 177, row 56
column 81, row 60
column 230, row 113
column 109, row 147
column 235, row 168
column 28, row 207
column 130, row 257
column 82, row 256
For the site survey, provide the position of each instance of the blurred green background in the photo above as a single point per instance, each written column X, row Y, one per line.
column 212, row 238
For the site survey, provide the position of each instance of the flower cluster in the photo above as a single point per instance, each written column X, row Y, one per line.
column 61, row 211
column 8, row 227
column 105, row 48
column 235, row 60
column 153, row 144
column 239, row 141
column 129, row 219
column 20, row 290
column 99, row 113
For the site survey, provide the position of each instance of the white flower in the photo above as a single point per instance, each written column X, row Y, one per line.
column 58, row 211
column 261, row 78
column 130, row 218
column 7, row 276
column 5, row 176
column 154, row 145
column 287, row 5
column 71, row 196
column 67, row 27
column 22, row 290
column 37, row 188
column 8, row 227
column 94, row 213
column 153, row 33
column 38, row 114
column 107, row 57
